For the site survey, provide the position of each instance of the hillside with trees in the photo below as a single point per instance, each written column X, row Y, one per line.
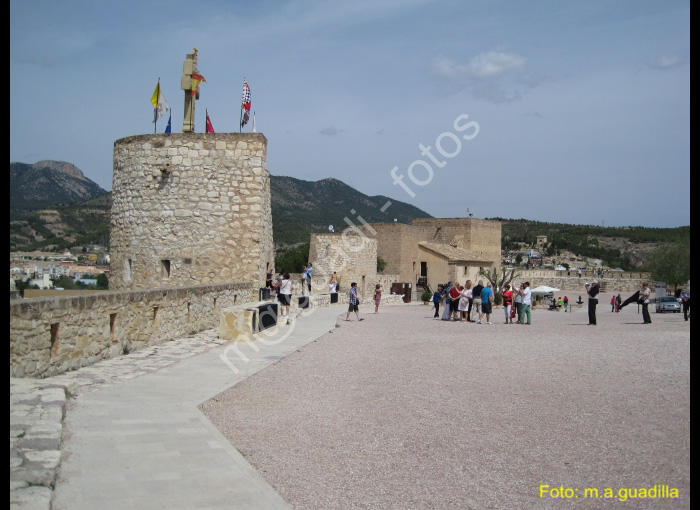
column 627, row 248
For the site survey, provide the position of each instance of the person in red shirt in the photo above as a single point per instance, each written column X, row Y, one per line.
column 455, row 293
column 507, row 302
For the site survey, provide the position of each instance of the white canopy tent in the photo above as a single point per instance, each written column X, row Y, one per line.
column 543, row 289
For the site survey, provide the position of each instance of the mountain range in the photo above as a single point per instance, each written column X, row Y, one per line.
column 54, row 206
column 47, row 183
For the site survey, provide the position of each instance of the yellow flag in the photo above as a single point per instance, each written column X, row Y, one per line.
column 154, row 99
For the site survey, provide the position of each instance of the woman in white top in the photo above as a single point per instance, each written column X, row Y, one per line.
column 464, row 301
column 285, row 294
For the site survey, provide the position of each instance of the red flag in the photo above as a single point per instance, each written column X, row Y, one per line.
column 210, row 128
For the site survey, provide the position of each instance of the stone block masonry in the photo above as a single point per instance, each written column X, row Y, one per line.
column 190, row 209
column 353, row 257
column 49, row 336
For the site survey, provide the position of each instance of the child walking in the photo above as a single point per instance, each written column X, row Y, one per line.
column 352, row 306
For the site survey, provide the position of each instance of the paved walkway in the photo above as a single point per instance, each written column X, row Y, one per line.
column 133, row 436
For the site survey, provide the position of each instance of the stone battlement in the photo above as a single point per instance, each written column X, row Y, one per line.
column 49, row 336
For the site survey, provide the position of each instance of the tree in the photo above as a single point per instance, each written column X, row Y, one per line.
column 64, row 282
column 102, row 281
column 293, row 259
column 499, row 279
column 671, row 264
column 381, row 264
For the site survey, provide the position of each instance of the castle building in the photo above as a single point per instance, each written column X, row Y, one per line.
column 432, row 251
column 429, row 252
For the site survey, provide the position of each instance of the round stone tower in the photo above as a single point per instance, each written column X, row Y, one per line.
column 190, row 209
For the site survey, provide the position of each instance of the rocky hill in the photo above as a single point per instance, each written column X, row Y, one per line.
column 47, row 183
column 298, row 208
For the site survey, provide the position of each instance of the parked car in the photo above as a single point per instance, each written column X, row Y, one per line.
column 668, row 304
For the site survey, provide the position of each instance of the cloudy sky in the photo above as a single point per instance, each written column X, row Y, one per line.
column 573, row 112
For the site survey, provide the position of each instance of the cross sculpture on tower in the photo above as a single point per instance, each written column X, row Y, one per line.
column 190, row 84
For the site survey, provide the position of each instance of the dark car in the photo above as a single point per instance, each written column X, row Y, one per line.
column 668, row 304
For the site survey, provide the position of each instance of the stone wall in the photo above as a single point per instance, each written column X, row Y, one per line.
column 612, row 281
column 49, row 336
column 190, row 209
column 481, row 237
column 352, row 256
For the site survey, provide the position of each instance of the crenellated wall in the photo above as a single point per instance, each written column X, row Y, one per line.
column 49, row 336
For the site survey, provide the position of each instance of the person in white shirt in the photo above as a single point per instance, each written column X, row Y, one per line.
column 644, row 296
column 526, row 295
column 518, row 303
column 285, row 294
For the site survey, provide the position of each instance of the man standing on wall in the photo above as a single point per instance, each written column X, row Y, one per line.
column 309, row 272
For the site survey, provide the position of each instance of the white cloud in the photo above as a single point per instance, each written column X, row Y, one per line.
column 484, row 66
column 666, row 62
column 494, row 76
column 495, row 63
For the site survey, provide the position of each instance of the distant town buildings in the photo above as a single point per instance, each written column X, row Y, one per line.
column 41, row 269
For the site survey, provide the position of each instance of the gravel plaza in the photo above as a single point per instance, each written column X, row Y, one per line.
column 397, row 411
column 406, row 411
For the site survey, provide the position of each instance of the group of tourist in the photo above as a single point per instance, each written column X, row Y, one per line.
column 615, row 303
column 465, row 303
column 592, row 289
column 283, row 286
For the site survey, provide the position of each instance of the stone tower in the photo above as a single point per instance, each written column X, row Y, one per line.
column 190, row 209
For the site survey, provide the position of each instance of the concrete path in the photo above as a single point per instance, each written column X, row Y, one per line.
column 133, row 436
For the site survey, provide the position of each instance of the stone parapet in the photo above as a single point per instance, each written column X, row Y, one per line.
column 588, row 275
column 575, row 283
column 49, row 336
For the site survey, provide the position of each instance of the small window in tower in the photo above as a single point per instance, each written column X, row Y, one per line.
column 165, row 269
column 128, row 269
